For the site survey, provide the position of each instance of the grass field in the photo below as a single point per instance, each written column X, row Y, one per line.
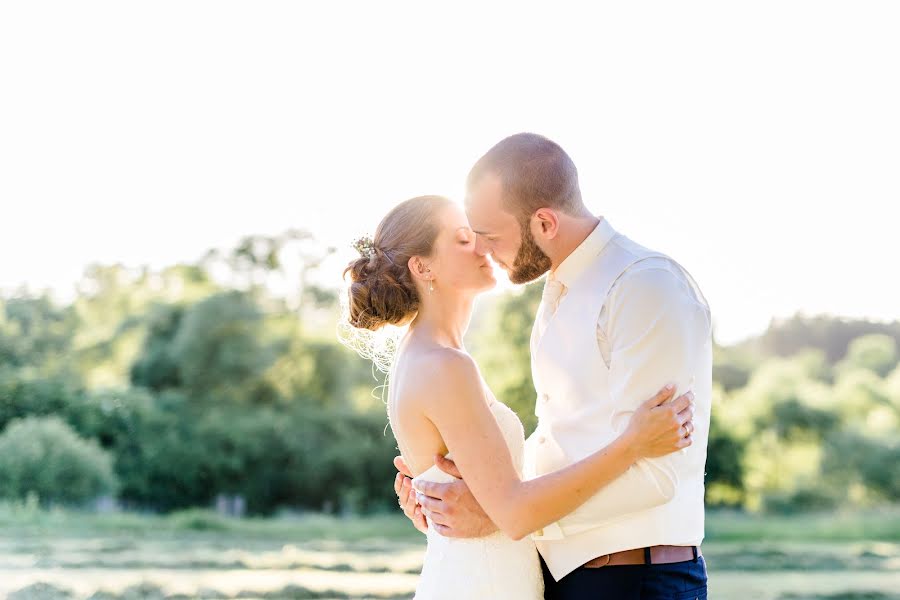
column 52, row 555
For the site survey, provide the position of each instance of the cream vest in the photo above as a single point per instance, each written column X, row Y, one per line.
column 575, row 413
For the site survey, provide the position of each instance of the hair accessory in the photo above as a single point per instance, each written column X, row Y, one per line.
column 365, row 246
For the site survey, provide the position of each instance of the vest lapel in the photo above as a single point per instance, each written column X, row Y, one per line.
column 593, row 287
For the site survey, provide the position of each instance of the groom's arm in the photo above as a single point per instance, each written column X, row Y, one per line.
column 658, row 331
column 655, row 328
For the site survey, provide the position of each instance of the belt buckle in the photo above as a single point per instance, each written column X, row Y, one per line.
column 595, row 563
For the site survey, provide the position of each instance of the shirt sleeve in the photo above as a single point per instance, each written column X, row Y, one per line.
column 655, row 326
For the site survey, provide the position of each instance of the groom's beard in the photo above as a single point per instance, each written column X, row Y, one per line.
column 530, row 262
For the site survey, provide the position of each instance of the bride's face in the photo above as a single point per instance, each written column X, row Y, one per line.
column 457, row 261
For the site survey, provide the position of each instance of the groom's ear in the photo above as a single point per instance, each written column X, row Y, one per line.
column 545, row 223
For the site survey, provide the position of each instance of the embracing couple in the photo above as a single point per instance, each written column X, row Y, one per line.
column 605, row 498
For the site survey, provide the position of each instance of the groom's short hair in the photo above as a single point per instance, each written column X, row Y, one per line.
column 535, row 173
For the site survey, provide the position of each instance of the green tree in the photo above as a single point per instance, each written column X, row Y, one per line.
column 724, row 465
column 875, row 352
column 220, row 350
column 502, row 348
column 37, row 334
column 732, row 368
column 862, row 401
column 44, row 456
column 831, row 335
column 156, row 367
column 25, row 394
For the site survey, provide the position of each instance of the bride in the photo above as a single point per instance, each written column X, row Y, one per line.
column 422, row 269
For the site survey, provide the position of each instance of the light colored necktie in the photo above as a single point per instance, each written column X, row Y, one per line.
column 553, row 291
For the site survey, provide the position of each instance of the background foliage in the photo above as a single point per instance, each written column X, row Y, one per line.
column 164, row 389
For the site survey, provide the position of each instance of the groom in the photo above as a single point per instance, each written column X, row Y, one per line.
column 617, row 322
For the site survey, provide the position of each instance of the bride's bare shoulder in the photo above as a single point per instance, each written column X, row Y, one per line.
column 437, row 369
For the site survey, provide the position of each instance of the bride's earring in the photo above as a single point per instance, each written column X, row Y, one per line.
column 430, row 282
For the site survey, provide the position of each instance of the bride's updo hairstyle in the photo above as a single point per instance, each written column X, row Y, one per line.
column 382, row 291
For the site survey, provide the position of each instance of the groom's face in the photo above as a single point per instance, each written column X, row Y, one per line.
column 500, row 234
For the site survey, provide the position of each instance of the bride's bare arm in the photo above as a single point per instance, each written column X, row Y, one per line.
column 455, row 402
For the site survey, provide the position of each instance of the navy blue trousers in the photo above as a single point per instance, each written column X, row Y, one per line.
column 676, row 581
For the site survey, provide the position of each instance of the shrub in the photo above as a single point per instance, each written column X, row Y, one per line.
column 44, row 456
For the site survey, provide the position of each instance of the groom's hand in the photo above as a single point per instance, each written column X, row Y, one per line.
column 407, row 497
column 452, row 508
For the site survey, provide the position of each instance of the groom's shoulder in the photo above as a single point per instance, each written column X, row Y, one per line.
column 653, row 273
column 628, row 260
column 657, row 282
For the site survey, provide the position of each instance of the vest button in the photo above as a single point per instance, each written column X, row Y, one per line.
column 541, row 440
column 545, row 398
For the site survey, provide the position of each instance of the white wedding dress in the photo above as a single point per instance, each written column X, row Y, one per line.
column 496, row 566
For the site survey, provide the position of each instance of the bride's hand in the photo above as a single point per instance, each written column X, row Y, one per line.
column 661, row 425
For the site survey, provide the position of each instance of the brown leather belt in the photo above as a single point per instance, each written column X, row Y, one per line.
column 654, row 555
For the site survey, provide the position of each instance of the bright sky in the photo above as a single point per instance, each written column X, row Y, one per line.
column 756, row 142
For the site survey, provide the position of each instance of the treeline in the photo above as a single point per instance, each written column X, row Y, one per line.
column 163, row 390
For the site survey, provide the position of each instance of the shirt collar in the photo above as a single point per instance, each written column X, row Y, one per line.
column 582, row 256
